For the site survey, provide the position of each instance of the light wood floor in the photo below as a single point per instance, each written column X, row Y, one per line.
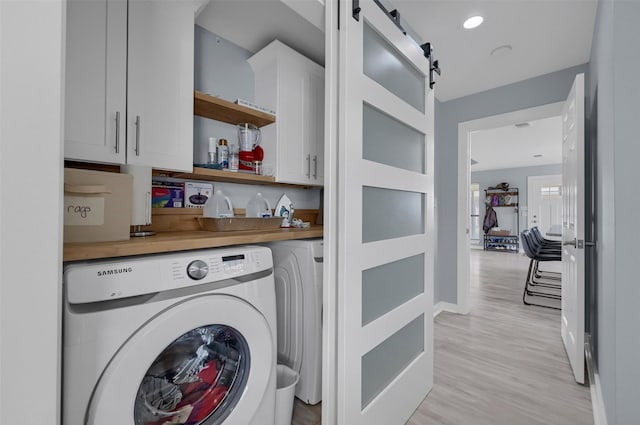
column 503, row 364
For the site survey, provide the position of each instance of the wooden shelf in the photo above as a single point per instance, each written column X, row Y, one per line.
column 185, row 219
column 209, row 174
column 227, row 176
column 181, row 241
column 218, row 109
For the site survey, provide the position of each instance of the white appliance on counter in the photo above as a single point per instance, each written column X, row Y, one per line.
column 297, row 266
column 176, row 338
column 141, row 199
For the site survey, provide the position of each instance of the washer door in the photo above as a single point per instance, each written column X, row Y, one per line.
column 207, row 360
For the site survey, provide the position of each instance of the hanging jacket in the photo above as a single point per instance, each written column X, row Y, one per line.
column 490, row 220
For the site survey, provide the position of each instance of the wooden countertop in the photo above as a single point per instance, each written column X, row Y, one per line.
column 181, row 241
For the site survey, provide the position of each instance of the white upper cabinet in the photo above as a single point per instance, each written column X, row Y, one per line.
column 129, row 96
column 96, row 85
column 293, row 86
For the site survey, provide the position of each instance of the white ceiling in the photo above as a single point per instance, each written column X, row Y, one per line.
column 546, row 35
column 514, row 147
column 252, row 24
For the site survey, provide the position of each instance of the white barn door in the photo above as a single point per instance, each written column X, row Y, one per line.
column 385, row 221
column 572, row 326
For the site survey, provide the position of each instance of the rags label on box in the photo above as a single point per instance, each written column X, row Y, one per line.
column 83, row 211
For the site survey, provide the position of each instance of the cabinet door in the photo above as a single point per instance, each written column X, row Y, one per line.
column 315, row 125
column 294, row 157
column 160, row 84
column 301, row 98
column 294, row 85
column 96, row 65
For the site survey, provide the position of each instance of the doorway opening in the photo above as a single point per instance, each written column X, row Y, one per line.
column 487, row 128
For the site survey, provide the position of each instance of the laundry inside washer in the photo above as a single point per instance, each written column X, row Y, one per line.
column 194, row 378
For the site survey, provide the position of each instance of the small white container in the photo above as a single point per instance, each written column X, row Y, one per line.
column 287, row 379
column 259, row 207
column 218, row 206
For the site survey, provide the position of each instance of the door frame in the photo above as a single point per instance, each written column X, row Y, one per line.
column 330, row 219
column 464, row 181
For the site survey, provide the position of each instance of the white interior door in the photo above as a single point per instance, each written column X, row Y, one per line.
column 544, row 195
column 385, row 221
column 573, row 227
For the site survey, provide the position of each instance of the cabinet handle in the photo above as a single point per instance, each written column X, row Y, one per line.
column 308, row 166
column 137, row 149
column 147, row 207
column 315, row 167
column 117, row 131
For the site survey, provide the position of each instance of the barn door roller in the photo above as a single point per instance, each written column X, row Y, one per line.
column 434, row 65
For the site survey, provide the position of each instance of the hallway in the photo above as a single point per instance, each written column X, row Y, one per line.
column 504, row 363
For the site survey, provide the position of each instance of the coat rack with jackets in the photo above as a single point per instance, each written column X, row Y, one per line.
column 506, row 200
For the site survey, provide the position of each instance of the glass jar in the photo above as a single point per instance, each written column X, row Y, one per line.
column 234, row 158
column 223, row 153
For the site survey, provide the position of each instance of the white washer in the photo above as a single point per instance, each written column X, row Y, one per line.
column 181, row 338
column 297, row 266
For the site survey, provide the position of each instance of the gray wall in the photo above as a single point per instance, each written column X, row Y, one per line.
column 542, row 90
column 516, row 177
column 614, row 113
column 221, row 69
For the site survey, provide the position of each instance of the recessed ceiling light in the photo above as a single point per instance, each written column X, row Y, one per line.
column 537, row 155
column 473, row 22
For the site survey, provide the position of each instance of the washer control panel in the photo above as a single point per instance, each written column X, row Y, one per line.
column 131, row 276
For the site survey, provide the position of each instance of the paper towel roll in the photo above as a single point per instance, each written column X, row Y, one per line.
column 141, row 202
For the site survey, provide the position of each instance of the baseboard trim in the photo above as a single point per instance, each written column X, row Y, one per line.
column 445, row 306
column 597, row 403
